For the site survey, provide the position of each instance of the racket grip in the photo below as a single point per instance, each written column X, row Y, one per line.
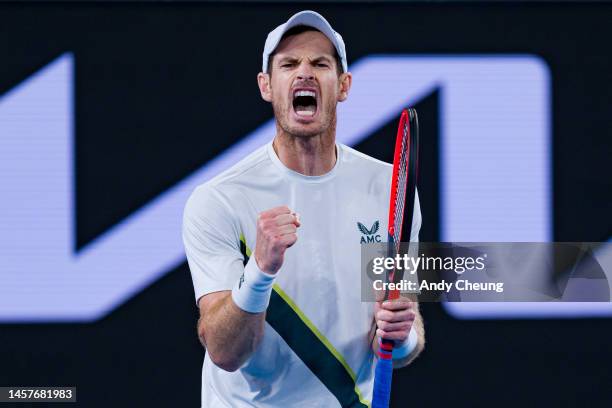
column 383, row 374
column 382, row 383
column 394, row 294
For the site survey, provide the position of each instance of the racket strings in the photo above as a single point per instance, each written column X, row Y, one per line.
column 400, row 194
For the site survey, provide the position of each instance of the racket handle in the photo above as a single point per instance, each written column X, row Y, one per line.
column 382, row 381
column 384, row 368
column 394, row 294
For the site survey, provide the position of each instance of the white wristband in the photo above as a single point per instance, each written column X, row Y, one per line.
column 404, row 348
column 252, row 291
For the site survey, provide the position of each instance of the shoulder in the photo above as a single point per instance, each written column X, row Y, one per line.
column 241, row 170
column 352, row 156
column 216, row 195
column 362, row 165
column 221, row 187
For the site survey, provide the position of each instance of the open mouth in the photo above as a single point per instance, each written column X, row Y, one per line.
column 304, row 102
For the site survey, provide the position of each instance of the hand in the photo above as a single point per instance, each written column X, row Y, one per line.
column 394, row 318
column 276, row 231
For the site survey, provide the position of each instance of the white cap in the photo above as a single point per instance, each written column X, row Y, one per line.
column 304, row 18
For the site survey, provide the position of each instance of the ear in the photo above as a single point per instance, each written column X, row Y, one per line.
column 263, row 80
column 346, row 79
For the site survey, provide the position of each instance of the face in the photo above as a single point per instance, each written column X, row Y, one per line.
column 304, row 87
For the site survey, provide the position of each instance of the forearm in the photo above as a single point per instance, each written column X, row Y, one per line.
column 230, row 334
column 231, row 323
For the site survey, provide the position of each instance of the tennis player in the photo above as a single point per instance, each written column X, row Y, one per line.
column 273, row 246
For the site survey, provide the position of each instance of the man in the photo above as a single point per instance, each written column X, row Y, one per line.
column 274, row 249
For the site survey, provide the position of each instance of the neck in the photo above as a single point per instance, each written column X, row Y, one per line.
column 310, row 156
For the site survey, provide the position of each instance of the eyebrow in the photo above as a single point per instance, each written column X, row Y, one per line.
column 291, row 58
column 322, row 58
column 286, row 58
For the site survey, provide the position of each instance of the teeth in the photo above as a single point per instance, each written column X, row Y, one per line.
column 305, row 113
column 304, row 93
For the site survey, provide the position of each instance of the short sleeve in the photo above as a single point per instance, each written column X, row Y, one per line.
column 211, row 236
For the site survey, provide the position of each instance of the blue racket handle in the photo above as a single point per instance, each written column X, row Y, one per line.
column 382, row 381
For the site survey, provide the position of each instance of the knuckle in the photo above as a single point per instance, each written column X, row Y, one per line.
column 389, row 305
column 261, row 224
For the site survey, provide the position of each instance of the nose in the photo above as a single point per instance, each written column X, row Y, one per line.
column 305, row 72
column 305, row 77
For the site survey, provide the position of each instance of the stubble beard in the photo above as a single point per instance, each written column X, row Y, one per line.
column 282, row 118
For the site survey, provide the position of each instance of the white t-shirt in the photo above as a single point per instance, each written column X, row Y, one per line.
column 316, row 349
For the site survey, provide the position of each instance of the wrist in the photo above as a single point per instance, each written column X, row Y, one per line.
column 403, row 349
column 252, row 291
column 263, row 267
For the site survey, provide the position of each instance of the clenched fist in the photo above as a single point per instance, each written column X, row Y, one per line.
column 394, row 318
column 276, row 231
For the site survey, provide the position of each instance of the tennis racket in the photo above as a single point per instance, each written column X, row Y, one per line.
column 401, row 207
